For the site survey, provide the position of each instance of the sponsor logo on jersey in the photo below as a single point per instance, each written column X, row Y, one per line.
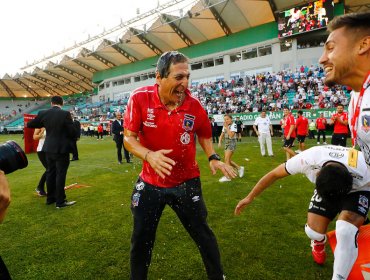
column 150, row 124
column 336, row 155
column 188, row 123
column 185, row 138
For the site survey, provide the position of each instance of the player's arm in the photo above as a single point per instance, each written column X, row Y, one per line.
column 207, row 146
column 158, row 160
column 38, row 133
column 265, row 182
column 255, row 129
column 4, row 195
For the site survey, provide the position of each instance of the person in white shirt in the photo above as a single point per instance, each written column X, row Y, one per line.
column 342, row 181
column 263, row 128
column 346, row 61
column 228, row 133
column 40, row 135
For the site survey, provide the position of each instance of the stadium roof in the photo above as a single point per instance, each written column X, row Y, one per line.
column 174, row 25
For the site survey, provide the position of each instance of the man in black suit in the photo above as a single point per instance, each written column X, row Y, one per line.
column 77, row 126
column 215, row 130
column 60, row 132
column 117, row 130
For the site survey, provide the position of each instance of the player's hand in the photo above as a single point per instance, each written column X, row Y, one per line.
column 226, row 169
column 161, row 164
column 242, row 204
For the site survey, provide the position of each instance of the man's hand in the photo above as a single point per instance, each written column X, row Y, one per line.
column 227, row 170
column 161, row 164
column 4, row 195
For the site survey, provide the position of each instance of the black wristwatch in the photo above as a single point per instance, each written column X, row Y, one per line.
column 214, row 157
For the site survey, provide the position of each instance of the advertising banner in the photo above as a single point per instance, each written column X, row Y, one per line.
column 30, row 145
column 275, row 117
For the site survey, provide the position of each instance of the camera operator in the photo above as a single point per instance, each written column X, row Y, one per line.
column 4, row 203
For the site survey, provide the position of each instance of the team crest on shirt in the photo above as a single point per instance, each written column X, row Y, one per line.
column 188, row 123
column 365, row 123
column 185, row 138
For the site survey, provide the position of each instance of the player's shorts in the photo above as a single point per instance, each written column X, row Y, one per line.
column 301, row 138
column 357, row 202
column 230, row 145
column 288, row 143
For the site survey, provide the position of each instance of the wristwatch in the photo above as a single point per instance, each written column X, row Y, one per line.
column 214, row 157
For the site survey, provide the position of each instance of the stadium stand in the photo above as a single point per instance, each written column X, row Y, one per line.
column 266, row 67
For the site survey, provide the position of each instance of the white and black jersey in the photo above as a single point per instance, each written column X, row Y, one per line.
column 310, row 162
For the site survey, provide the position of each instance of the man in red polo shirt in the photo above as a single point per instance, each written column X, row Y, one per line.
column 340, row 122
column 161, row 123
column 321, row 127
column 302, row 130
column 289, row 133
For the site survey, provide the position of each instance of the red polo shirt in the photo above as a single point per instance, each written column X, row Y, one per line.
column 158, row 128
column 289, row 121
column 321, row 123
column 302, row 126
column 339, row 127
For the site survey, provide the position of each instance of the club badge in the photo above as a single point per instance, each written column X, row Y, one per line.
column 188, row 123
column 365, row 121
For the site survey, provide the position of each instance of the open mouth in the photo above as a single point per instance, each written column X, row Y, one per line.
column 328, row 70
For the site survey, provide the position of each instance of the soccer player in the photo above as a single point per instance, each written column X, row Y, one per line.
column 342, row 181
column 289, row 133
column 340, row 122
column 302, row 130
column 161, row 122
column 321, row 127
column 346, row 60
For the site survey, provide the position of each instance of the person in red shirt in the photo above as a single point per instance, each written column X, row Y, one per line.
column 340, row 122
column 100, row 131
column 321, row 127
column 161, row 125
column 289, row 133
column 302, row 130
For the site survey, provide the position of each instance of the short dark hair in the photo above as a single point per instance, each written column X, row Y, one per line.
column 358, row 23
column 57, row 100
column 333, row 180
column 300, row 112
column 168, row 58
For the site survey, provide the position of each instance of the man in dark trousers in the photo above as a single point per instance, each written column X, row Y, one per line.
column 117, row 130
column 161, row 122
column 215, row 130
column 60, row 132
column 77, row 126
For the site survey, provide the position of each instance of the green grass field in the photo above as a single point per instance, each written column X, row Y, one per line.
column 91, row 240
